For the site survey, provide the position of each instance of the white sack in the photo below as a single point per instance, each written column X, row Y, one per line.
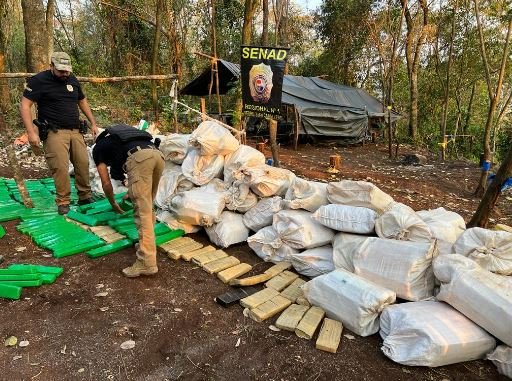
column 172, row 182
column 228, row 231
column 202, row 169
column 267, row 181
column 210, row 138
column 345, row 247
column 358, row 193
column 175, row 147
column 401, row 266
column 297, row 229
column 262, row 214
column 313, row 262
column 267, row 245
column 402, row 223
column 502, row 358
column 350, row 299
column 198, row 206
column 345, row 218
column 305, row 194
column 240, row 198
column 431, row 334
column 482, row 296
column 172, row 221
column 491, row 249
column 244, row 156
column 443, row 224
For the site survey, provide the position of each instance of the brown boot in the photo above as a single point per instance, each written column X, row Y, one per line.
column 139, row 268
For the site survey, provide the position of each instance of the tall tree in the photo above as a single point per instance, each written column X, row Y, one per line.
column 249, row 11
column 155, row 53
column 264, row 32
column 36, row 35
column 50, row 11
column 4, row 88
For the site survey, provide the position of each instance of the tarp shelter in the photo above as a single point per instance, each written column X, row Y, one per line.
column 325, row 108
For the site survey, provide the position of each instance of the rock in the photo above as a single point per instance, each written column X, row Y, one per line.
column 414, row 159
column 129, row 344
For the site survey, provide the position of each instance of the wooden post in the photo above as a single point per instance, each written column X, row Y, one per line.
column 335, row 161
column 390, row 134
column 203, row 109
column 296, row 129
column 443, row 147
column 260, row 147
column 273, row 142
column 374, row 136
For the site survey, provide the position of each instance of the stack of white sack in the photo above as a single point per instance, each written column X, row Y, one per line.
column 345, row 218
column 491, row 249
column 175, row 147
column 400, row 222
column 171, row 183
column 243, row 157
column 313, row 262
column 210, row 138
column 240, row 198
column 172, row 220
column 358, row 193
column 502, row 358
column 267, row 245
column 267, row 181
column 199, row 206
column 401, row 266
column 262, row 214
column 482, row 296
column 201, row 169
column 345, row 247
column 444, row 225
column 431, row 334
column 304, row 194
column 350, row 299
column 228, row 231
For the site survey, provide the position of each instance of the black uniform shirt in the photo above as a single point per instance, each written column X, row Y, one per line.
column 57, row 101
column 114, row 154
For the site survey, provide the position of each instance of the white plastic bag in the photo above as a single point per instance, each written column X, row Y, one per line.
column 304, row 194
column 172, row 221
column 350, row 299
column 444, row 225
column 262, row 214
column 358, row 193
column 502, row 358
column 175, row 147
column 345, row 247
column 313, row 262
column 172, row 182
column 491, row 249
column 228, row 231
column 297, row 229
column 202, row 169
column 401, row 266
column 402, row 223
column 267, row 245
column 244, row 156
column 267, row 181
column 213, row 139
column 482, row 296
column 240, row 198
column 431, row 334
column 345, row 218
column 198, row 206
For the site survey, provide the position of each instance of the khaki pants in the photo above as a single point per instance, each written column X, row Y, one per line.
column 61, row 147
column 144, row 169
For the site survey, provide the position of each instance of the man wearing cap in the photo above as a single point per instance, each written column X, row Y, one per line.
column 58, row 96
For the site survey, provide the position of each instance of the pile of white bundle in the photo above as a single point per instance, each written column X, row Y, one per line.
column 199, row 206
column 349, row 219
column 262, row 214
column 201, row 169
column 445, row 225
column 175, row 147
column 267, row 245
column 267, row 181
column 304, row 194
column 313, row 262
column 502, row 358
column 491, row 249
column 358, row 193
column 350, row 299
column 482, row 296
column 243, row 157
column 240, row 198
column 297, row 229
column 431, row 334
column 171, row 220
column 228, row 231
column 345, row 248
column 210, row 138
column 400, row 222
column 171, row 183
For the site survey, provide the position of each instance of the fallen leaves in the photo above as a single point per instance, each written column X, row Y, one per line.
column 11, row 341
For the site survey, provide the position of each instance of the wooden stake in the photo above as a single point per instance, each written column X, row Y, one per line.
column 335, row 161
column 273, row 142
column 203, row 109
column 260, row 147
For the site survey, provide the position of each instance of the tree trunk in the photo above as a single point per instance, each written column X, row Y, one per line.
column 273, row 142
column 4, row 88
column 470, row 109
column 486, row 206
column 50, row 11
column 249, row 11
column 264, row 33
column 36, row 41
column 154, row 55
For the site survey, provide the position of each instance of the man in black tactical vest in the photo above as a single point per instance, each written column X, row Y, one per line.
column 58, row 96
column 126, row 149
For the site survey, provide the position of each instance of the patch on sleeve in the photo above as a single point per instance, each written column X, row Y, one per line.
column 27, row 88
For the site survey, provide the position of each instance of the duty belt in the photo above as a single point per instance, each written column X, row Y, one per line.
column 139, row 148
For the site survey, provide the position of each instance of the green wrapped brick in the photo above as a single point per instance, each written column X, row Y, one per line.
column 121, row 222
column 25, row 276
column 83, row 218
column 38, row 268
column 16, row 271
column 10, row 292
column 169, row 236
column 48, row 278
column 2, row 231
column 22, row 283
column 82, row 248
column 110, row 248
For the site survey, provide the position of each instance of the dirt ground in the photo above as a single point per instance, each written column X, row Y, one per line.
column 179, row 331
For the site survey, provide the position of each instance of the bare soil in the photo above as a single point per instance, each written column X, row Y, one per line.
column 179, row 331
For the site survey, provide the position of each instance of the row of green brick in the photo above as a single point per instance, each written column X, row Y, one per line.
column 17, row 276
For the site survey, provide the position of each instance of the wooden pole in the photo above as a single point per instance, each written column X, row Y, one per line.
column 296, row 129
column 273, row 142
column 203, row 109
column 260, row 147
column 159, row 77
column 335, row 161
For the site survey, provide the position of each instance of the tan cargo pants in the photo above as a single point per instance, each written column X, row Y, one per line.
column 144, row 169
column 61, row 147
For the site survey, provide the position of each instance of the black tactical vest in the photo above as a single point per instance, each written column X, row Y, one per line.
column 125, row 133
